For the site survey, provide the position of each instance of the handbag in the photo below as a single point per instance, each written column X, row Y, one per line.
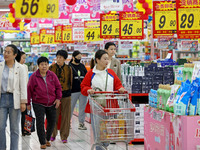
column 29, row 123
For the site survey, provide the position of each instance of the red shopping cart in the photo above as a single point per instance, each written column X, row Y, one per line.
column 113, row 117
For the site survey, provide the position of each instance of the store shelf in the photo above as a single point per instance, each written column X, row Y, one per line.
column 128, row 58
column 187, row 51
column 17, row 40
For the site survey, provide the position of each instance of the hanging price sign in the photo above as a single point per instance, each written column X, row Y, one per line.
column 58, row 34
column 164, row 18
column 109, row 25
column 131, row 25
column 67, row 34
column 92, row 31
column 35, row 39
column 47, row 36
column 188, row 19
column 37, row 8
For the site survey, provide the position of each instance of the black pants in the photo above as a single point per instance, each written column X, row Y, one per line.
column 40, row 112
column 22, row 121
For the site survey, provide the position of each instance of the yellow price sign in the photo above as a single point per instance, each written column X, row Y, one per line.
column 35, row 39
column 43, row 38
column 109, row 29
column 165, row 20
column 67, row 36
column 37, row 8
column 189, row 19
column 58, row 36
column 132, row 28
column 47, row 39
column 92, row 34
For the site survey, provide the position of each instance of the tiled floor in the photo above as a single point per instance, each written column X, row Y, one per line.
column 78, row 140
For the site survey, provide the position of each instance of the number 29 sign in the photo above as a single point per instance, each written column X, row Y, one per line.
column 37, row 8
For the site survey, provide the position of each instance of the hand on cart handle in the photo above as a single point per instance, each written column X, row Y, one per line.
column 122, row 90
column 91, row 91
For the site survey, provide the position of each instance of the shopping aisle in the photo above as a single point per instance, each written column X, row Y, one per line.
column 78, row 140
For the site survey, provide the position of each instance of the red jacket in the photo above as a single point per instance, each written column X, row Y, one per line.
column 87, row 81
column 41, row 92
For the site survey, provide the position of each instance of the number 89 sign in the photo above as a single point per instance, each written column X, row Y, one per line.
column 37, row 9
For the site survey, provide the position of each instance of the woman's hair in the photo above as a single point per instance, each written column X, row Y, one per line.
column 42, row 59
column 15, row 51
column 99, row 54
column 108, row 44
column 62, row 53
column 74, row 54
column 22, row 53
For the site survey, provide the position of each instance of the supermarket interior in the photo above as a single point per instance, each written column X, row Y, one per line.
column 154, row 63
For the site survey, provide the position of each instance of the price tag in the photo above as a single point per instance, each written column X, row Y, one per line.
column 109, row 25
column 58, row 34
column 47, row 36
column 37, row 8
column 189, row 19
column 131, row 25
column 165, row 20
column 92, row 34
column 35, row 39
column 67, row 34
column 43, row 38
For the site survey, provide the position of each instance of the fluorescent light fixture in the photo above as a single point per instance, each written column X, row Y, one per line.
column 4, row 9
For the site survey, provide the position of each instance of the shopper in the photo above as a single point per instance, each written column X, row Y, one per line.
column 113, row 63
column 22, row 62
column 13, row 96
column 79, row 71
column 45, row 91
column 64, row 74
column 102, row 79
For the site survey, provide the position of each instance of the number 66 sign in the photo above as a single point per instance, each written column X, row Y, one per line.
column 37, row 9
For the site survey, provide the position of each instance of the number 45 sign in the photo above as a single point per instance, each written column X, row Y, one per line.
column 131, row 25
column 37, row 8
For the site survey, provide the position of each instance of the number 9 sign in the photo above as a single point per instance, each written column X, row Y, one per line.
column 37, row 9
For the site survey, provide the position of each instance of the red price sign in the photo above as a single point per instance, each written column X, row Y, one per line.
column 131, row 25
column 109, row 25
column 58, row 34
column 67, row 34
column 35, row 38
column 188, row 19
column 164, row 18
column 47, row 36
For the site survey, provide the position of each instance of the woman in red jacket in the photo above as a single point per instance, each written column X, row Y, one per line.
column 45, row 91
column 100, row 78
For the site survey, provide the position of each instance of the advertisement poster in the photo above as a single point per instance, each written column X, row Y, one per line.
column 78, row 31
column 126, row 45
column 189, row 45
column 81, row 10
column 167, row 42
column 127, row 5
column 5, row 24
column 93, row 47
column 111, row 5
column 80, row 46
column 95, row 10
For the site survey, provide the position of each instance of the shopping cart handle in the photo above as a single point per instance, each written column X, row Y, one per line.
column 105, row 92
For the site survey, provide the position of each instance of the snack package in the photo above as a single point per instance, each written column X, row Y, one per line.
column 194, row 98
column 170, row 101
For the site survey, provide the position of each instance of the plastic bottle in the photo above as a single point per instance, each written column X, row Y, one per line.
column 164, row 95
column 168, row 93
column 159, row 96
column 190, row 71
column 185, row 70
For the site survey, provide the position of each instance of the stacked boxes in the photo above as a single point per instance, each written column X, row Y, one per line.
column 139, row 121
column 136, row 84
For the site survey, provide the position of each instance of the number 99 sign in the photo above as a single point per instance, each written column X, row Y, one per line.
column 37, row 8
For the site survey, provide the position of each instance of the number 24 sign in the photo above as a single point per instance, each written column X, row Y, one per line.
column 37, row 8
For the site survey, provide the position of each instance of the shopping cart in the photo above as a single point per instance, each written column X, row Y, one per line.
column 113, row 118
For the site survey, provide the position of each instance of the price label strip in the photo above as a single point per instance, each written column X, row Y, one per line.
column 131, row 25
column 67, row 34
column 109, row 25
column 58, row 34
column 35, row 39
column 164, row 18
column 92, row 31
column 37, row 9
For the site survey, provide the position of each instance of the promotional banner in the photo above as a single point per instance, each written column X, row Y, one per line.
column 127, row 5
column 131, row 25
column 111, row 5
column 95, row 10
column 188, row 19
column 37, row 9
column 5, row 23
column 189, row 45
column 80, row 46
column 109, row 25
column 81, row 10
column 92, row 31
column 67, row 34
column 35, row 38
column 164, row 18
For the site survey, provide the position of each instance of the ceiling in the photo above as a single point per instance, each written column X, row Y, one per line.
column 4, row 3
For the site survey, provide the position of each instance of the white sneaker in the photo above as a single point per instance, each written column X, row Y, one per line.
column 82, row 126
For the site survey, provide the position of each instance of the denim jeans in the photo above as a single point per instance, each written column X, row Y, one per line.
column 104, row 144
column 7, row 108
column 82, row 105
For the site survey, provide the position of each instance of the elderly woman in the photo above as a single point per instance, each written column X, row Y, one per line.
column 45, row 91
column 13, row 96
